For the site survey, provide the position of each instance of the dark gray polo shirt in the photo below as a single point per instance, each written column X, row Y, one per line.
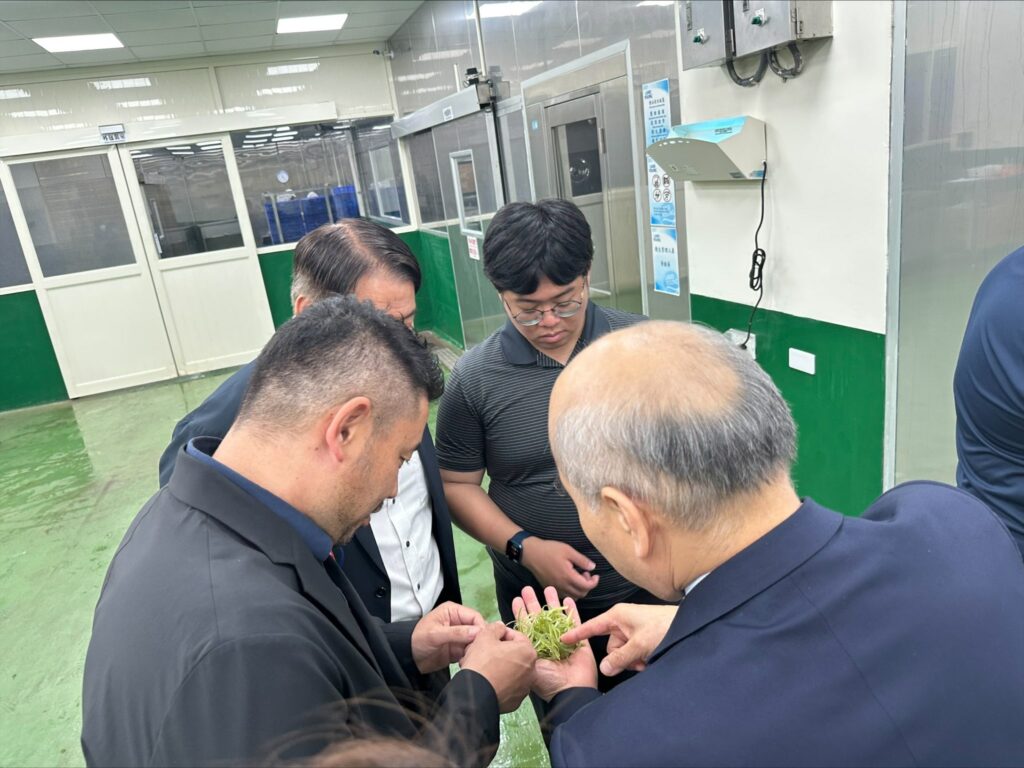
column 494, row 416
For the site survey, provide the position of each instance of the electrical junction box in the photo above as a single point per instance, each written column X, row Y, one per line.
column 716, row 150
column 760, row 25
column 706, row 40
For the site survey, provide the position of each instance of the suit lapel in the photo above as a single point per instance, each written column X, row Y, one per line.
column 364, row 538
column 441, row 519
column 748, row 573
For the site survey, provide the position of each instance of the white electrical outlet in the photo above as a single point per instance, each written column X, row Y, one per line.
column 801, row 361
column 737, row 336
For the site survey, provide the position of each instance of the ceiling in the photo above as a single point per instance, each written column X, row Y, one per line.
column 152, row 30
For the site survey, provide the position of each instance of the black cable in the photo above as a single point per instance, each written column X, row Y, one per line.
column 783, row 72
column 756, row 275
column 754, row 79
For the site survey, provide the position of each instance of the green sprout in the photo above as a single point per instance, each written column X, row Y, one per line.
column 545, row 630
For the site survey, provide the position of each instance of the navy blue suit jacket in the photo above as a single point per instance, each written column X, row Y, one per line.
column 362, row 561
column 896, row 638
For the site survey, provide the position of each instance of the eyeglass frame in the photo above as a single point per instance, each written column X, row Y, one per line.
column 552, row 309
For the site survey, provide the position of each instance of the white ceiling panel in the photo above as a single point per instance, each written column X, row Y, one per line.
column 229, row 14
column 243, row 29
column 169, row 51
column 240, row 44
column 132, row 22
column 35, row 61
column 72, row 25
column 151, row 37
column 43, row 9
column 108, row 56
column 152, row 30
column 133, row 6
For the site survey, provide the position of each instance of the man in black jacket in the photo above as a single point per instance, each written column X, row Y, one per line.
column 226, row 621
column 403, row 564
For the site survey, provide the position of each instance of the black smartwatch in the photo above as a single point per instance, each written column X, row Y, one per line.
column 514, row 547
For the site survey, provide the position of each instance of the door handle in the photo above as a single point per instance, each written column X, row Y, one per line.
column 159, row 249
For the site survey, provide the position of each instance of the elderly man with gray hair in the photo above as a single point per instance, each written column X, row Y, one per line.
column 805, row 637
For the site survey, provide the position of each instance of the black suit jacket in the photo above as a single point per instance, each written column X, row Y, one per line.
column 218, row 632
column 363, row 563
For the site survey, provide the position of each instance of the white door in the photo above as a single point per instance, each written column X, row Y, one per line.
column 199, row 243
column 84, row 251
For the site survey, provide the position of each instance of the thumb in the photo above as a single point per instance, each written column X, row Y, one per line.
column 579, row 559
column 460, row 634
column 620, row 659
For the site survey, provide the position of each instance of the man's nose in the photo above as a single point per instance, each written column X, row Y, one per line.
column 549, row 319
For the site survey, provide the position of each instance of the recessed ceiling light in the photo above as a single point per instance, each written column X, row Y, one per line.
column 14, row 93
column 140, row 103
column 182, row 147
column 39, row 113
column 311, row 23
column 280, row 90
column 130, row 82
column 78, row 42
column 282, row 128
column 293, row 69
column 499, row 10
column 444, row 55
column 137, row 155
column 654, row 2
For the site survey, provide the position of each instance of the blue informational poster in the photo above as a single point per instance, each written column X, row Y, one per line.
column 661, row 190
column 666, row 260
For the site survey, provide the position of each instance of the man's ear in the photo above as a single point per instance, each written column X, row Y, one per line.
column 301, row 304
column 349, row 428
column 634, row 519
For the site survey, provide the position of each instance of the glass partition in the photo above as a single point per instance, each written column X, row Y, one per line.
column 13, row 270
column 380, row 171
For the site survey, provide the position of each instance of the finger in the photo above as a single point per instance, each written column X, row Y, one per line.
column 518, row 607
column 578, row 584
column 620, row 659
column 464, row 615
column 493, row 631
column 531, row 601
column 572, row 610
column 459, row 635
column 603, row 624
column 579, row 559
column 551, row 597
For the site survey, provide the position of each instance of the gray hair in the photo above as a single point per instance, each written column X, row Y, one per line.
column 682, row 461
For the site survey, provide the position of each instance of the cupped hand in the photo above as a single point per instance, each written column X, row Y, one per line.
column 440, row 638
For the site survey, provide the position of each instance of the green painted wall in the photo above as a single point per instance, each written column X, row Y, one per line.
column 839, row 411
column 30, row 375
column 437, row 305
column 277, row 281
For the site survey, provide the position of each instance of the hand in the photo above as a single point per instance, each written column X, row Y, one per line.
column 506, row 658
column 553, row 677
column 440, row 638
column 555, row 564
column 634, row 631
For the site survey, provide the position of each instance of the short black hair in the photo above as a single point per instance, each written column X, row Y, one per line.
column 337, row 349
column 331, row 259
column 525, row 241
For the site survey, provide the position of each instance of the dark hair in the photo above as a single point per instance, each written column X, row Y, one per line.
column 337, row 349
column 332, row 258
column 525, row 241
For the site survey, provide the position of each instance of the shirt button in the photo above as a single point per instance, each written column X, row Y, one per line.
column 417, row 586
column 381, row 591
column 407, row 543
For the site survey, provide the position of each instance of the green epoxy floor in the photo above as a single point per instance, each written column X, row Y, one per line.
column 72, row 477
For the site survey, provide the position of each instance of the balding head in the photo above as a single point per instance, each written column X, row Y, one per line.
column 673, row 415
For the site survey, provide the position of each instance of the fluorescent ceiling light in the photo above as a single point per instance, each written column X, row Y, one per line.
column 137, row 155
column 416, row 76
column 311, row 23
column 500, row 10
column 140, row 103
column 282, row 138
column 280, row 90
column 655, row 2
column 111, row 85
column 155, row 117
column 65, row 126
column 293, row 69
column 381, row 127
column 211, row 143
column 443, row 55
column 282, row 128
column 14, row 93
column 39, row 113
column 183, row 146
column 182, row 153
column 78, row 42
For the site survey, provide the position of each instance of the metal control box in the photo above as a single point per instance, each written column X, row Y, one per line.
column 705, row 40
column 760, row 25
column 729, row 149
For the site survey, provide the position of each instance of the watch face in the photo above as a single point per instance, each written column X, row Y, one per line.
column 513, row 551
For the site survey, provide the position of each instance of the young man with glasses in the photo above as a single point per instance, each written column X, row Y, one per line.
column 493, row 415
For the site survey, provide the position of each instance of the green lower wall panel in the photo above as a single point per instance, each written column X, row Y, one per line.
column 839, row 411
column 277, row 281
column 437, row 304
column 30, row 375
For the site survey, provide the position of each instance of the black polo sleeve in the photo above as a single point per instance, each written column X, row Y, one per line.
column 460, row 432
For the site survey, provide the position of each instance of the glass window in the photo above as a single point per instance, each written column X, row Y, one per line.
column 188, row 198
column 428, row 182
column 13, row 270
column 464, row 174
column 380, row 171
column 74, row 214
column 296, row 178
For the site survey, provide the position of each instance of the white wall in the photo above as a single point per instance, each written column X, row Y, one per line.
column 825, row 230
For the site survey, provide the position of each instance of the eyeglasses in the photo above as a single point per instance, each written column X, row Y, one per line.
column 563, row 309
